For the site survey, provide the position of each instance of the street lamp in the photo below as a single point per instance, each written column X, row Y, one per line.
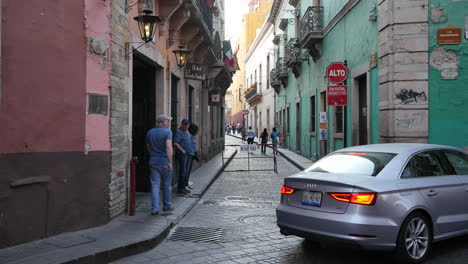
column 147, row 24
column 181, row 55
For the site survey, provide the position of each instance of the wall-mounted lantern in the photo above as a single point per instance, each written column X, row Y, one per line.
column 147, row 24
column 181, row 55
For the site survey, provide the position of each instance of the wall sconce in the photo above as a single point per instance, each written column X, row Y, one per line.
column 147, row 24
column 181, row 55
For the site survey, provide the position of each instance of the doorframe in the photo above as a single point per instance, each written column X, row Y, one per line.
column 363, row 69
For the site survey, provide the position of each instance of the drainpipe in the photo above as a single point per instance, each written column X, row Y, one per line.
column 133, row 164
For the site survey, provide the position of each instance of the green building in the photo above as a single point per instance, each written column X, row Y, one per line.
column 402, row 85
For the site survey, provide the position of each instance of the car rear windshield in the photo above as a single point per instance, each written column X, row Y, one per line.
column 364, row 163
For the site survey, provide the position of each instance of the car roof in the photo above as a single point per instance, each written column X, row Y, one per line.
column 396, row 148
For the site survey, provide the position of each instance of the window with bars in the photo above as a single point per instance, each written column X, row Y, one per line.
column 339, row 119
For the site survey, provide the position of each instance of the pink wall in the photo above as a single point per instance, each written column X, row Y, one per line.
column 43, row 102
column 98, row 26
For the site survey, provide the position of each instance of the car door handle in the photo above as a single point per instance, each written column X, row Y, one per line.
column 432, row 193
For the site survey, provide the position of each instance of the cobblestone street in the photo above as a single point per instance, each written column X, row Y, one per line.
column 234, row 222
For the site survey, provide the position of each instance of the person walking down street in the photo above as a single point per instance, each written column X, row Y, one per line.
column 193, row 130
column 250, row 135
column 234, row 128
column 274, row 141
column 159, row 145
column 183, row 144
column 264, row 139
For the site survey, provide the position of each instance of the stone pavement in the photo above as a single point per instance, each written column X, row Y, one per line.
column 123, row 236
column 297, row 160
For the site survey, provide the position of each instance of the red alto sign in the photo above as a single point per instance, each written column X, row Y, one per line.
column 337, row 72
column 337, row 95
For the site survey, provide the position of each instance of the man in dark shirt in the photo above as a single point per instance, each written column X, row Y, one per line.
column 183, row 145
column 159, row 145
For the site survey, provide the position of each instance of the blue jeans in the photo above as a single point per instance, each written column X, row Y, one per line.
column 184, row 166
column 160, row 174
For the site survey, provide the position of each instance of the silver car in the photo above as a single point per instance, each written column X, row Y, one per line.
column 398, row 197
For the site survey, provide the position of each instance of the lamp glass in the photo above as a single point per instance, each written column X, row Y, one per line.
column 181, row 55
column 147, row 25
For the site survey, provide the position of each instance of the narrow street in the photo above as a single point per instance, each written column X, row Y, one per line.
column 235, row 222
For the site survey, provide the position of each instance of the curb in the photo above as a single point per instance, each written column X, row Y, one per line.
column 145, row 245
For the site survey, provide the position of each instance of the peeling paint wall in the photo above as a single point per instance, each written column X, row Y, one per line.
column 448, row 76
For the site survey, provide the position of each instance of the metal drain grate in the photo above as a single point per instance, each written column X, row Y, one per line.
column 198, row 234
column 238, row 198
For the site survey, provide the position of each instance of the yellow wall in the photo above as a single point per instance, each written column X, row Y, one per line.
column 251, row 22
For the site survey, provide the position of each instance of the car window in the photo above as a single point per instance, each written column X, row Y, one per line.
column 408, row 171
column 365, row 163
column 427, row 164
column 458, row 160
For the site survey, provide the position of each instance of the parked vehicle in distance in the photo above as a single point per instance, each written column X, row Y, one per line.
column 398, row 197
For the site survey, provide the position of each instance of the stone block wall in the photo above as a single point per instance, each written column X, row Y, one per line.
column 119, row 112
column 403, row 70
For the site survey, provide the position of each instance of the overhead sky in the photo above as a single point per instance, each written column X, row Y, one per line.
column 234, row 11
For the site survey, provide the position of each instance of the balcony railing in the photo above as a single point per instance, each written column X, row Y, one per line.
column 206, row 12
column 281, row 68
column 252, row 95
column 311, row 22
column 274, row 81
column 293, row 52
column 311, row 30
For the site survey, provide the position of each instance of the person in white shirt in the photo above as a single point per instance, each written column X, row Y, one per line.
column 250, row 135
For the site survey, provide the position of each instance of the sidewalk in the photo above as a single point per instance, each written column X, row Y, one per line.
column 299, row 161
column 123, row 236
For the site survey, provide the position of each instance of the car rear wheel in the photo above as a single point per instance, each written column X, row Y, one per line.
column 414, row 239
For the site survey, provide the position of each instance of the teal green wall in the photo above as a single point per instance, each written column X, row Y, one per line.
column 448, row 99
column 354, row 38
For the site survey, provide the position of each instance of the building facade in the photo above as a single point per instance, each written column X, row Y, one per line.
column 252, row 21
column 260, row 95
column 397, row 81
column 71, row 129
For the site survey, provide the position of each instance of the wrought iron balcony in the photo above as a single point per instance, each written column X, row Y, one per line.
column 252, row 96
column 293, row 52
column 281, row 68
column 274, row 81
column 311, row 29
column 206, row 13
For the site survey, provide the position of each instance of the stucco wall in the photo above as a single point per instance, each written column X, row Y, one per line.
column 43, row 77
column 448, row 76
column 354, row 38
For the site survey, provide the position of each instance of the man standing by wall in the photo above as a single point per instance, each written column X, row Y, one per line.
column 182, row 142
column 159, row 145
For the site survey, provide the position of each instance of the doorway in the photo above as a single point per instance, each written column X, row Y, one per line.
column 174, row 102
column 362, row 84
column 298, row 127
column 144, row 111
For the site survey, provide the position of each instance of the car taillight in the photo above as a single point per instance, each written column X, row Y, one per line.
column 286, row 190
column 356, row 198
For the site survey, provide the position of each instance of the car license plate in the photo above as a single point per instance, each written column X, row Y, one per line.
column 312, row 198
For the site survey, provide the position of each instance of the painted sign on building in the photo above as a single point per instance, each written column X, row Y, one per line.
column 337, row 95
column 194, row 71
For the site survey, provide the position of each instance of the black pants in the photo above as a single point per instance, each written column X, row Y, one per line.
column 250, row 140
column 264, row 147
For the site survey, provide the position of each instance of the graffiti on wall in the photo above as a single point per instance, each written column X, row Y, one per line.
column 411, row 121
column 411, row 96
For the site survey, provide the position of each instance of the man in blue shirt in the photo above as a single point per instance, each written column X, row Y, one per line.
column 159, row 145
column 183, row 145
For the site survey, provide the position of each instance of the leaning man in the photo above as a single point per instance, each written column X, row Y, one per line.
column 159, row 145
column 183, row 145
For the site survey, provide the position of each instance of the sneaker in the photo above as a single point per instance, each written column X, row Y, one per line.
column 190, row 183
column 154, row 213
column 187, row 189
column 168, row 209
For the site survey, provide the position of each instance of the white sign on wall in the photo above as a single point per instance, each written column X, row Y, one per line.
column 323, row 117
